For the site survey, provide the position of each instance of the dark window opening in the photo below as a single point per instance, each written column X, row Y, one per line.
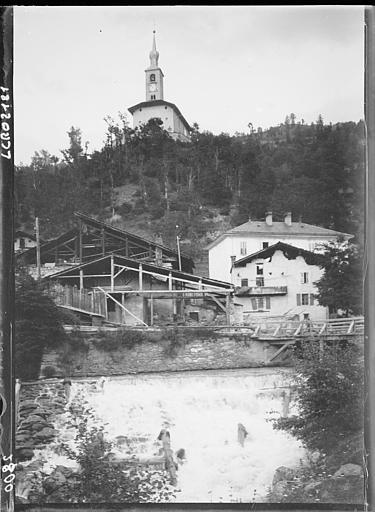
column 194, row 315
column 265, row 245
column 153, row 97
column 152, row 78
column 244, row 282
column 259, row 281
column 305, row 299
column 22, row 243
column 259, row 270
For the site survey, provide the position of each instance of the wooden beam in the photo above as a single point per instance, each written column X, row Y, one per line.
column 140, row 276
column 170, row 282
column 227, row 308
column 112, row 274
column 103, row 241
column 281, row 349
column 121, row 306
column 217, row 302
column 123, row 310
column 80, row 241
column 81, row 280
column 151, row 310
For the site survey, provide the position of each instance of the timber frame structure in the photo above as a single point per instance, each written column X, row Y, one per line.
column 92, row 239
column 91, row 287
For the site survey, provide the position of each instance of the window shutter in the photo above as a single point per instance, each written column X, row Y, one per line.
column 302, row 281
column 298, row 299
column 254, row 303
column 268, row 302
column 311, row 299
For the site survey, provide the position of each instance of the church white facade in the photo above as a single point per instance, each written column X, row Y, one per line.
column 155, row 106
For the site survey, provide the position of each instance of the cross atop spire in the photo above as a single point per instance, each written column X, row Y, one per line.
column 154, row 54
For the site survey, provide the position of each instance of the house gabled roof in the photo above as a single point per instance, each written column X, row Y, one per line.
column 290, row 252
column 24, row 234
column 153, row 103
column 104, row 264
column 260, row 227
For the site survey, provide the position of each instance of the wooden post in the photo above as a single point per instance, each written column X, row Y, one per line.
column 126, row 247
column 151, row 309
column 123, row 311
column 37, row 247
column 103, row 241
column 80, row 288
column 227, row 308
column 168, row 458
column 112, row 274
column 80, row 242
column 170, row 285
column 140, row 276
column 321, row 348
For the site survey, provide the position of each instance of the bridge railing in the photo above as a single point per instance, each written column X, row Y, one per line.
column 286, row 328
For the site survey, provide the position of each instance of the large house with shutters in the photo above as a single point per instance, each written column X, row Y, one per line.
column 279, row 281
column 255, row 235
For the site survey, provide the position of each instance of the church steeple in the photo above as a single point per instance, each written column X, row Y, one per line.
column 154, row 54
column 154, row 75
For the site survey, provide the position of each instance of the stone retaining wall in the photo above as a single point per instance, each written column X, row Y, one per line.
column 100, row 354
column 39, row 405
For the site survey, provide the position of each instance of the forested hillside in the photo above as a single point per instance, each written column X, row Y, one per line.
column 145, row 182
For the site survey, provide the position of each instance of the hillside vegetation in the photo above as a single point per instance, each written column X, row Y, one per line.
column 144, row 181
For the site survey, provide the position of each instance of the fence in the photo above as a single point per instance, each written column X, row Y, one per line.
column 89, row 301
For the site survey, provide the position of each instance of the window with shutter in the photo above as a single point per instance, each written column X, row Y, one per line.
column 311, row 299
column 298, row 299
column 304, row 277
column 254, row 304
column 268, row 302
column 305, row 299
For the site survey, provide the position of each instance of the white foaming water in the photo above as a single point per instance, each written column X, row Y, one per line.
column 202, row 410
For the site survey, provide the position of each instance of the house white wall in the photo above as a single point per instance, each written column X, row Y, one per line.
column 26, row 244
column 241, row 245
column 280, row 271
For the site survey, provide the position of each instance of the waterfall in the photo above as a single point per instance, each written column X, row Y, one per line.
column 217, row 419
column 202, row 411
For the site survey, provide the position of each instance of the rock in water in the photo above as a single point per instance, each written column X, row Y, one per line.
column 241, row 434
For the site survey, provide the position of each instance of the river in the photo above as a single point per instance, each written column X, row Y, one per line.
column 202, row 411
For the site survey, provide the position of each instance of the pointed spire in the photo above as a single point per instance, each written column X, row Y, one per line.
column 154, row 54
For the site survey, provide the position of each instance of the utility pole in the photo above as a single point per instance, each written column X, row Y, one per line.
column 37, row 247
column 178, row 250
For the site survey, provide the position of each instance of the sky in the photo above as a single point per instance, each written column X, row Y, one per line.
column 224, row 67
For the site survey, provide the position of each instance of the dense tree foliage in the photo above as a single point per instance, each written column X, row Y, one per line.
column 329, row 396
column 341, row 286
column 316, row 171
column 38, row 324
column 99, row 478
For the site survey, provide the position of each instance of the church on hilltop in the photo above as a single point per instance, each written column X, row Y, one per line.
column 155, row 106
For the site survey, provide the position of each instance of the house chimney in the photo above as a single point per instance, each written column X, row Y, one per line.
column 269, row 218
column 288, row 218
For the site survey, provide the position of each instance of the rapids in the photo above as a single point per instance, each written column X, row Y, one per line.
column 202, row 411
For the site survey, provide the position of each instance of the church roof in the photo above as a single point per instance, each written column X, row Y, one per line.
column 260, row 227
column 153, row 103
